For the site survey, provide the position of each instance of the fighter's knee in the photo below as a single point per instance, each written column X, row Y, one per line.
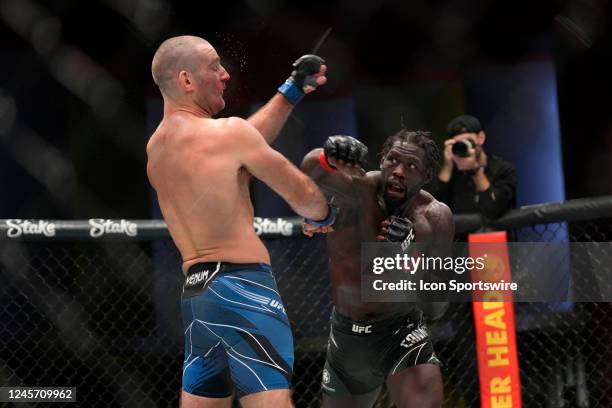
column 421, row 394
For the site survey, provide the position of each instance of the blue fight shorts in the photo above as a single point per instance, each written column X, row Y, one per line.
column 237, row 334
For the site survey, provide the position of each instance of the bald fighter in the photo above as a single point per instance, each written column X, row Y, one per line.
column 372, row 343
column 237, row 336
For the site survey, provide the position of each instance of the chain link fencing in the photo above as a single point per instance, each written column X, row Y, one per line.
column 104, row 316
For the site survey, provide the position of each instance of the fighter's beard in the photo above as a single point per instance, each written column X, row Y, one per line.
column 392, row 207
column 398, row 207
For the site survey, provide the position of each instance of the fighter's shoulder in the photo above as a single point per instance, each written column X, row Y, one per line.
column 211, row 135
column 372, row 177
column 240, row 130
column 153, row 141
column 233, row 123
column 434, row 210
column 369, row 181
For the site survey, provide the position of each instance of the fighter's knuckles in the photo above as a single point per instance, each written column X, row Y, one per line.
column 309, row 63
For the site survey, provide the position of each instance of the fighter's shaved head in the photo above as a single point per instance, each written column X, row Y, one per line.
column 174, row 55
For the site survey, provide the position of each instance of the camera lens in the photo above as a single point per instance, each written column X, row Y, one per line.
column 461, row 148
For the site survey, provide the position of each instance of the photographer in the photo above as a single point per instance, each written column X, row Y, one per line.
column 470, row 180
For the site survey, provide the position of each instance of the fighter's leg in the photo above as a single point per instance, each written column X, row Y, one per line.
column 255, row 334
column 366, row 400
column 274, row 398
column 206, row 380
column 419, row 386
column 414, row 379
column 337, row 394
column 194, row 401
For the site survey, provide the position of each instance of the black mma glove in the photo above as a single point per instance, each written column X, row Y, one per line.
column 400, row 229
column 346, row 148
column 303, row 73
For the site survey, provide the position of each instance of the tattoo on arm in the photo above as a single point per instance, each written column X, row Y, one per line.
column 441, row 221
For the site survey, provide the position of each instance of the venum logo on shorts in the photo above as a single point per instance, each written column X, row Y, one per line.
column 414, row 337
column 17, row 228
column 268, row 226
column 361, row 329
column 101, row 227
column 196, row 278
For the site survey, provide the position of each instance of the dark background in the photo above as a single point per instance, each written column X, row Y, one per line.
column 76, row 79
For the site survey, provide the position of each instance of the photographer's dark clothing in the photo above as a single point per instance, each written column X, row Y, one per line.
column 461, row 196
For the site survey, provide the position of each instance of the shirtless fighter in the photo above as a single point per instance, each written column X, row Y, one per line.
column 371, row 343
column 237, row 336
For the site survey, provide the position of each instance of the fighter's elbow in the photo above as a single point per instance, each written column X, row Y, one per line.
column 310, row 162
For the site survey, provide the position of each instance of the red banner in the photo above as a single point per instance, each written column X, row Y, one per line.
column 498, row 368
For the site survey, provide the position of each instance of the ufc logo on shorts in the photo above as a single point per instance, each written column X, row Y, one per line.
column 362, row 329
column 278, row 305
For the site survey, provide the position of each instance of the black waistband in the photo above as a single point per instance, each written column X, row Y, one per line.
column 373, row 325
column 225, row 267
column 199, row 275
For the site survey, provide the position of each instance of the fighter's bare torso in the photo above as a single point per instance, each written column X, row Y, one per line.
column 360, row 221
column 203, row 190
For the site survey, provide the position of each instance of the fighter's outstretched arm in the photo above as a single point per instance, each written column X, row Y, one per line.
column 338, row 167
column 309, row 73
column 338, row 183
column 271, row 167
column 270, row 118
